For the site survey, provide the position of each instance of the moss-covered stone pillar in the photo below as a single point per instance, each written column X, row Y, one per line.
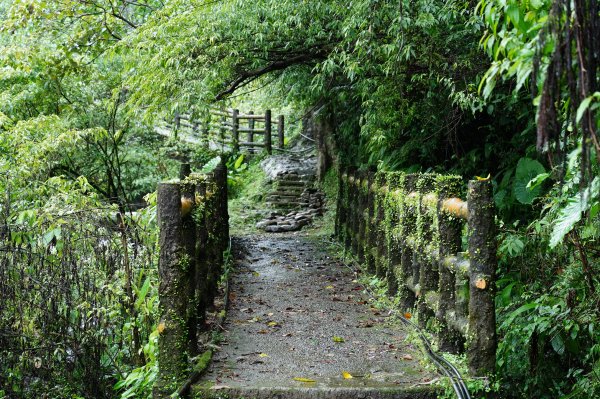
column 355, row 212
column 449, row 232
column 407, row 220
column 392, row 227
column 188, row 239
column 371, row 228
column 201, row 256
column 351, row 194
column 340, row 211
column 173, row 270
column 428, row 268
column 481, row 340
column 380, row 259
column 363, row 194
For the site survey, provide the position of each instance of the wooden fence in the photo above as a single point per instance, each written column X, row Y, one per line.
column 233, row 129
column 407, row 228
column 194, row 233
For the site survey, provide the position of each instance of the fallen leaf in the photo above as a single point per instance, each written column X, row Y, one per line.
column 329, row 287
column 338, row 339
column 407, row 357
column 407, row 315
column 346, row 375
column 483, row 178
column 256, row 274
column 263, row 355
column 161, row 327
column 272, row 324
column 303, row 379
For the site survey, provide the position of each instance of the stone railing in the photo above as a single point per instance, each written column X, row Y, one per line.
column 194, row 233
column 407, row 228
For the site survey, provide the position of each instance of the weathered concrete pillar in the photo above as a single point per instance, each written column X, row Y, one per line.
column 173, row 268
column 481, row 340
column 449, row 228
column 268, row 130
column 235, row 131
column 250, row 135
column 280, row 131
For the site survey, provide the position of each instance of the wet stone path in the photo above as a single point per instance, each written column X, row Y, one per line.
column 298, row 321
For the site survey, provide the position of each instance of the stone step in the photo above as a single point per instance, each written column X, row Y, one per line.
column 289, row 183
column 385, row 391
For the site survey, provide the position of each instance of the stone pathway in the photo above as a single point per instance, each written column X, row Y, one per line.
column 298, row 320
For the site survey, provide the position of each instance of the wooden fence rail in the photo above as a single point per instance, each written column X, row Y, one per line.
column 407, row 228
column 223, row 127
column 193, row 223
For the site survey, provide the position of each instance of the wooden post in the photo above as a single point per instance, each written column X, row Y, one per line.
column 184, row 170
column 449, row 228
column 250, row 136
column 177, row 124
column 177, row 121
column 206, row 133
column 235, row 131
column 222, row 131
column 172, row 270
column 280, row 127
column 268, row 145
column 482, row 341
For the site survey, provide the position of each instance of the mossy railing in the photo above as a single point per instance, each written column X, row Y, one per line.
column 407, row 228
column 194, row 233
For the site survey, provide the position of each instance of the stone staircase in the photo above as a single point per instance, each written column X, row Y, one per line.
column 293, row 200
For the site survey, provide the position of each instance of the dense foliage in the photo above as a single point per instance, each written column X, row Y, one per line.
column 502, row 87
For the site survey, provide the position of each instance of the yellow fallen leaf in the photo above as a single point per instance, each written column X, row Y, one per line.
column 483, row 178
column 346, row 375
column 338, row 339
column 303, row 379
column 329, row 287
column 256, row 274
column 263, row 355
column 272, row 324
column 161, row 327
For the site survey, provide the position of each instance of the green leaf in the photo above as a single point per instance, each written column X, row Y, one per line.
column 568, row 217
column 527, row 170
column 558, row 344
column 238, row 162
column 582, row 107
column 521, row 309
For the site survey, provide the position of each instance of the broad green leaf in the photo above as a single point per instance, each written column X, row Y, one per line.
column 527, row 170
